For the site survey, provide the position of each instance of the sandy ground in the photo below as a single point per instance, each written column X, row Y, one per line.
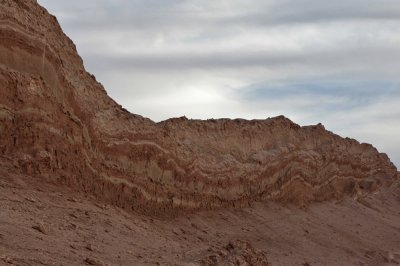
column 43, row 224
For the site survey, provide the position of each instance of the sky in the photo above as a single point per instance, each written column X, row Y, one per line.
column 334, row 62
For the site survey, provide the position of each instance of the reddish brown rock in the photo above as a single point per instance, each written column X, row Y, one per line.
column 61, row 135
column 237, row 253
column 58, row 123
column 40, row 228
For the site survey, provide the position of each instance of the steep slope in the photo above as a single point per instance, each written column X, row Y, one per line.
column 57, row 122
column 42, row 224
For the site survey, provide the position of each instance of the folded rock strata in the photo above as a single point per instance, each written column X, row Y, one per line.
column 57, row 122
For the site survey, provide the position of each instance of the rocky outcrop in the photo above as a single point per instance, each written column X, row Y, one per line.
column 57, row 122
column 237, row 253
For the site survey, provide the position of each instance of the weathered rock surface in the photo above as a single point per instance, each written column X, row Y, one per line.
column 82, row 232
column 70, row 157
column 57, row 122
column 239, row 253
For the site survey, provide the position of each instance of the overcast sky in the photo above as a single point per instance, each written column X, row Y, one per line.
column 334, row 62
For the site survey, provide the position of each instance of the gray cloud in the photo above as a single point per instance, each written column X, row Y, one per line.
column 311, row 11
column 138, row 14
column 377, row 59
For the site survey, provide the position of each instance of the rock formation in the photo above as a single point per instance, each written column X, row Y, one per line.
column 57, row 122
column 237, row 253
column 70, row 157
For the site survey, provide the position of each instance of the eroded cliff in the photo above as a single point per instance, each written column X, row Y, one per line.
column 57, row 122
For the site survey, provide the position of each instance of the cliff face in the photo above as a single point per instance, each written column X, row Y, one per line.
column 57, row 122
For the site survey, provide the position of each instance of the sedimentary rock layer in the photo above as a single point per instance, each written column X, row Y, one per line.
column 57, row 122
